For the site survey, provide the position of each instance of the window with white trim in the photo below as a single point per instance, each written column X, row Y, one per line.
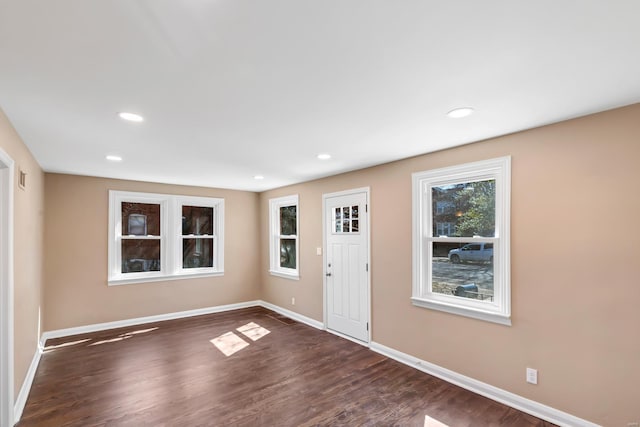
column 200, row 232
column 465, row 270
column 284, row 245
column 162, row 237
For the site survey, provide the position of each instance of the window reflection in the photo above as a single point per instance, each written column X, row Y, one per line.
column 140, row 219
column 140, row 255
column 288, row 253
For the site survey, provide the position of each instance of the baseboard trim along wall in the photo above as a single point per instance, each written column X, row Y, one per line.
column 529, row 406
column 293, row 315
column 494, row 393
column 59, row 333
column 21, row 399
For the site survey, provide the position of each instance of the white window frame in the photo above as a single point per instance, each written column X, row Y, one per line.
column 170, row 237
column 275, row 236
column 498, row 310
column 218, row 238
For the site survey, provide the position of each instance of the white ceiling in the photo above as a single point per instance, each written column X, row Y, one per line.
column 231, row 88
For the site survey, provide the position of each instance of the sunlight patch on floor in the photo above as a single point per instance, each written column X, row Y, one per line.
column 229, row 343
column 51, row 348
column 141, row 331
column 432, row 422
column 253, row 331
column 116, row 339
column 124, row 336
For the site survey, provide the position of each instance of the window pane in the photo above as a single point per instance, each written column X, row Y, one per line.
column 464, row 210
column 197, row 253
column 140, row 255
column 140, row 219
column 465, row 270
column 288, row 253
column 288, row 221
column 355, row 227
column 354, row 212
column 197, row 220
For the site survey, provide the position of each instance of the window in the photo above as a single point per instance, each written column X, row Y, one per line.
column 141, row 236
column 346, row 220
column 200, row 225
column 161, row 237
column 442, row 206
column 461, row 240
column 284, row 247
column 444, row 229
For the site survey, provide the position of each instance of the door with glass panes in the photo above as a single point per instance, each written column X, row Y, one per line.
column 346, row 268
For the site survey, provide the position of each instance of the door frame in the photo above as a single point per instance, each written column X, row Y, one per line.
column 325, row 196
column 6, row 289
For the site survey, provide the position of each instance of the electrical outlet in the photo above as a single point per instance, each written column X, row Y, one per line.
column 293, row 300
column 318, row 251
column 532, row 376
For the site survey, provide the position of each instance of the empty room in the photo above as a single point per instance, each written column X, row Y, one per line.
column 318, row 213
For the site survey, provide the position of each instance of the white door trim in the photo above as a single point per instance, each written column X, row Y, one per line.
column 367, row 191
column 6, row 288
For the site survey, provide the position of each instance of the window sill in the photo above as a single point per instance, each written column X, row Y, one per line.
column 463, row 311
column 284, row 275
column 123, row 280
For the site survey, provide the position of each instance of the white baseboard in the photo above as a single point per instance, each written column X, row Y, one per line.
column 348, row 338
column 21, row 400
column 59, row 333
column 494, row 393
column 292, row 315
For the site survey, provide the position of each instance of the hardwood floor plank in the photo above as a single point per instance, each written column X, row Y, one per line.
column 282, row 373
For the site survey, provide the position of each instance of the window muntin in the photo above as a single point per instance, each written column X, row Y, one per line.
column 461, row 241
column 284, row 244
column 163, row 237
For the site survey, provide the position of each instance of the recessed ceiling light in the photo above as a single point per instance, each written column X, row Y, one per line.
column 131, row 117
column 324, row 156
column 114, row 158
column 258, row 177
column 460, row 112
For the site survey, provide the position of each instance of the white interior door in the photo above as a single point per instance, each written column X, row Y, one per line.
column 346, row 263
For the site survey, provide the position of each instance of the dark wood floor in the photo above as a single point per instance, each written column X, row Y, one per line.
column 171, row 374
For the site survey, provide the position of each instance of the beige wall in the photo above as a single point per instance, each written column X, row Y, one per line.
column 28, row 246
column 76, row 225
column 574, row 248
